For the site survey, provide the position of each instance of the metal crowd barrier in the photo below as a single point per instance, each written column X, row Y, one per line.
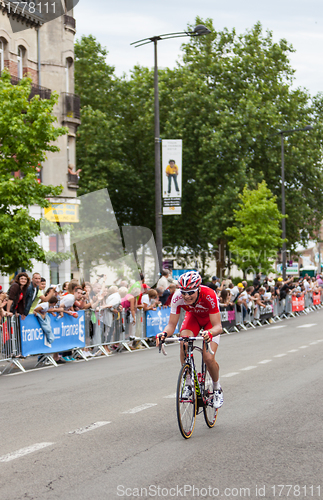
column 10, row 345
column 123, row 334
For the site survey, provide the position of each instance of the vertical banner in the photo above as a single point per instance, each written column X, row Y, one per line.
column 172, row 176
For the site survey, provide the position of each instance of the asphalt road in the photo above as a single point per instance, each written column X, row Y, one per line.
column 107, row 429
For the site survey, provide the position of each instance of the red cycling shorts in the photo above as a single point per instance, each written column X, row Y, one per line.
column 194, row 323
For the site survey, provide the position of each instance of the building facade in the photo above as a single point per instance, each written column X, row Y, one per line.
column 44, row 50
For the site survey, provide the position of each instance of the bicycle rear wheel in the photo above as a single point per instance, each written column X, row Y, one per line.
column 186, row 407
column 210, row 413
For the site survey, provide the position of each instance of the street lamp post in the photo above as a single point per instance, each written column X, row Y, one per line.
column 199, row 30
column 282, row 133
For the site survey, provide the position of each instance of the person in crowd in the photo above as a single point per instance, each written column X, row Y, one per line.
column 41, row 296
column 236, row 292
column 64, row 287
column 3, row 303
column 110, row 308
column 41, row 312
column 17, row 295
column 214, row 283
column 163, row 280
column 160, row 292
column 128, row 302
column 257, row 282
column 149, row 300
column 32, row 292
column 171, row 290
column 225, row 298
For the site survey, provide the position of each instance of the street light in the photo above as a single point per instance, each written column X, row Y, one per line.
column 199, row 30
column 282, row 133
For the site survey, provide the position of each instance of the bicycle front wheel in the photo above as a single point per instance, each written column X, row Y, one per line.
column 186, row 404
column 209, row 412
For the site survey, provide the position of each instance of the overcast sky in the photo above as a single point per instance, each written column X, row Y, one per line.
column 116, row 24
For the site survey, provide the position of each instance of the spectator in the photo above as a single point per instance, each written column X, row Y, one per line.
column 214, row 283
column 40, row 295
column 111, row 307
column 256, row 281
column 225, row 298
column 40, row 312
column 17, row 295
column 149, row 300
column 31, row 294
column 236, row 291
column 172, row 290
column 163, row 280
column 128, row 302
column 160, row 292
column 3, row 303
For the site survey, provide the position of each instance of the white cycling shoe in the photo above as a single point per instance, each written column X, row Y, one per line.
column 218, row 398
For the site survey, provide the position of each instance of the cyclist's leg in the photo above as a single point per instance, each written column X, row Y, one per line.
column 189, row 328
column 211, row 364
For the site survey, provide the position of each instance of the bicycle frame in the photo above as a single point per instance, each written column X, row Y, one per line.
column 189, row 359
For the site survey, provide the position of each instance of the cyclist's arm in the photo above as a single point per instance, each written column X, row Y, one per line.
column 170, row 328
column 215, row 320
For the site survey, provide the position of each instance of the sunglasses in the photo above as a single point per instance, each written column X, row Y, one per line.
column 191, row 292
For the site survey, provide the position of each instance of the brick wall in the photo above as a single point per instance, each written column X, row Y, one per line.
column 12, row 67
column 33, row 73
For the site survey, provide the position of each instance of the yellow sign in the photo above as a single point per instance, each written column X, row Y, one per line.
column 62, row 212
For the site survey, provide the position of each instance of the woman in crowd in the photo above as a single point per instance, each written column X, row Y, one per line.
column 225, row 297
column 149, row 300
column 17, row 294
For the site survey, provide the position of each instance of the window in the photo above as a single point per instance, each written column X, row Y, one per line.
column 1, row 55
column 20, row 62
column 68, row 74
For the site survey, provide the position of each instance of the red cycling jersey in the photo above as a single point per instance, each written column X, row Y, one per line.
column 198, row 315
column 207, row 303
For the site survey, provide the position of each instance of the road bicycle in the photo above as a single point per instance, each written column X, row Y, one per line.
column 201, row 383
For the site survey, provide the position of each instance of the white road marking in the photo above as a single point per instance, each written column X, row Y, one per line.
column 313, row 343
column 307, row 325
column 293, row 350
column 275, row 327
column 88, row 428
column 303, row 346
column 264, row 361
column 279, row 355
column 248, row 368
column 24, row 451
column 170, row 396
column 320, row 340
column 140, row 408
column 232, row 374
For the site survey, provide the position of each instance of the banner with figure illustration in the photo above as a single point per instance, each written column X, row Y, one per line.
column 172, row 176
column 69, row 332
column 156, row 321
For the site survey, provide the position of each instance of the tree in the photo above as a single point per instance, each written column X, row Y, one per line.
column 27, row 132
column 226, row 99
column 255, row 237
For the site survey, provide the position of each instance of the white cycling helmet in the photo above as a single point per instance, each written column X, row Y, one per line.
column 189, row 281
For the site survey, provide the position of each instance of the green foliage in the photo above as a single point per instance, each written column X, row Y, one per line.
column 255, row 236
column 226, row 99
column 27, row 132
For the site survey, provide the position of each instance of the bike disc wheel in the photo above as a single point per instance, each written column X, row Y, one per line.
column 209, row 412
column 186, row 408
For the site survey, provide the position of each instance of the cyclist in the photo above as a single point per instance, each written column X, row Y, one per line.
column 202, row 311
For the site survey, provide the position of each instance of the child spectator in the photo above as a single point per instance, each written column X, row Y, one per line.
column 43, row 319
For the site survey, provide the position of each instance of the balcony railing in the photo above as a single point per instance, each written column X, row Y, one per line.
column 72, row 181
column 35, row 89
column 71, row 106
column 69, row 21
